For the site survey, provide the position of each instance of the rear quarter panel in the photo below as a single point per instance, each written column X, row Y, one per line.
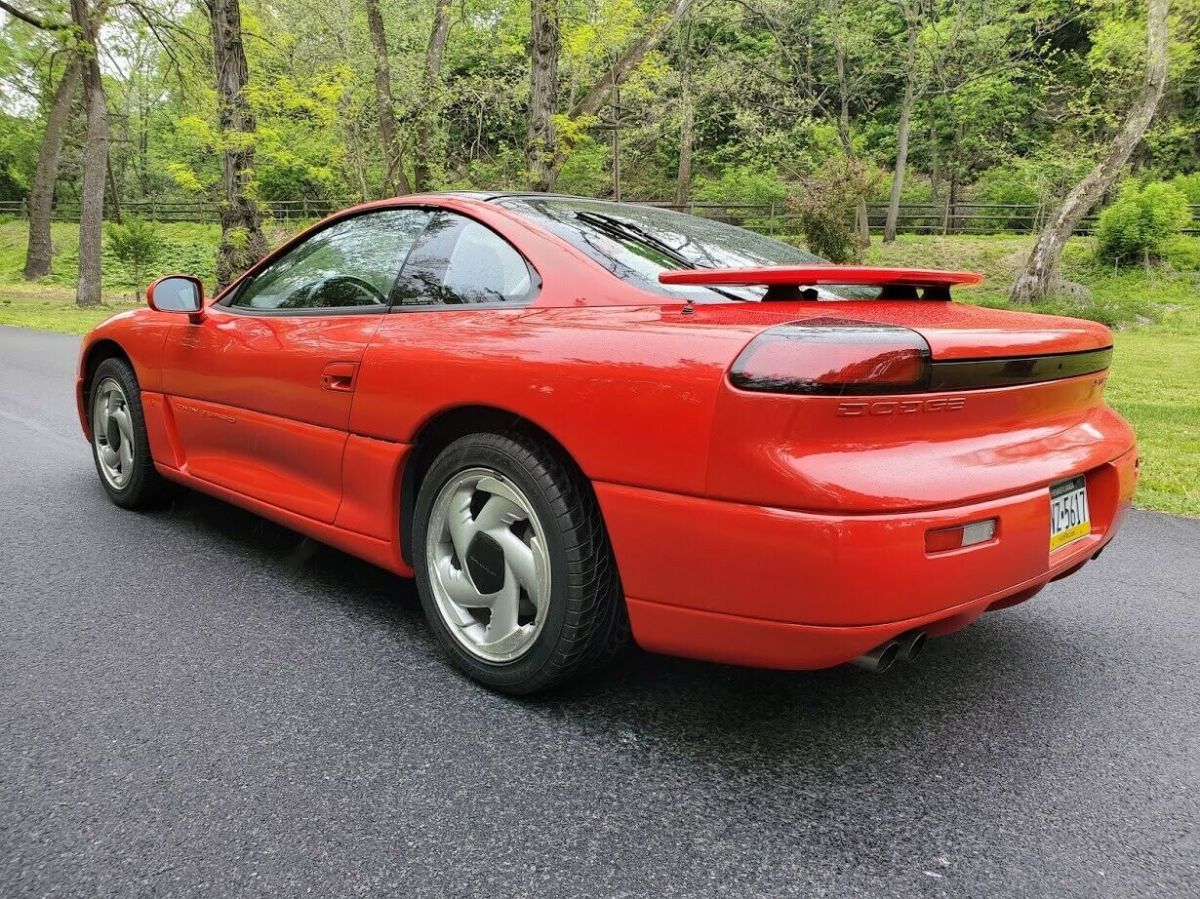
column 629, row 392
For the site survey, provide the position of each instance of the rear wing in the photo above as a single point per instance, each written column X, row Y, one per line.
column 789, row 282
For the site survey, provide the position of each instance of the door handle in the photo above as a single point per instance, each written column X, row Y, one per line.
column 339, row 376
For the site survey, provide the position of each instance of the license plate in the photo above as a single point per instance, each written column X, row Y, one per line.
column 1069, row 518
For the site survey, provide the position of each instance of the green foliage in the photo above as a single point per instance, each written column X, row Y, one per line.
column 586, row 169
column 1136, row 227
column 136, row 243
column 822, row 210
column 741, row 184
column 1189, row 186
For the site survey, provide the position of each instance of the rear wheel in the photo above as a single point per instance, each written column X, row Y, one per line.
column 120, row 446
column 513, row 565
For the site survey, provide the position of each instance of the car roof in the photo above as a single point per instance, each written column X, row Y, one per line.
column 490, row 196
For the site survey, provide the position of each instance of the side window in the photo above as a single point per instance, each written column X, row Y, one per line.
column 352, row 263
column 458, row 261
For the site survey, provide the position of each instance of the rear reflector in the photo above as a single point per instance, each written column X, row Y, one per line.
column 833, row 356
column 964, row 535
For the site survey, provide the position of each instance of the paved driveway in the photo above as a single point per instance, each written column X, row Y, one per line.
column 198, row 703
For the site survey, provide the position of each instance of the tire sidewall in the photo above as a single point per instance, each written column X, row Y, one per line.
column 483, row 450
column 131, row 494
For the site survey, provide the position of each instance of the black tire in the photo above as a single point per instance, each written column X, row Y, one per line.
column 144, row 488
column 586, row 623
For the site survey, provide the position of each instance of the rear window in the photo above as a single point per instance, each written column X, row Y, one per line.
column 698, row 242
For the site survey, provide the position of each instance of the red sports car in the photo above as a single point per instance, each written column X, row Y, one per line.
column 572, row 419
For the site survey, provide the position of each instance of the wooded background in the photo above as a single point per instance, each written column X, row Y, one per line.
column 809, row 108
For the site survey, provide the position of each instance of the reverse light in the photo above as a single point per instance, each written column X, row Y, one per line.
column 960, row 537
column 833, row 356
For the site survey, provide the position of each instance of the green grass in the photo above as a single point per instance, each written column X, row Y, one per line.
column 1155, row 313
column 49, row 304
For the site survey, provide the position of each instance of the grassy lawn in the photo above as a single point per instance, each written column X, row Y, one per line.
column 1156, row 316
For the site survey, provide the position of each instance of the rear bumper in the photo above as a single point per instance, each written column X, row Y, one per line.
column 771, row 587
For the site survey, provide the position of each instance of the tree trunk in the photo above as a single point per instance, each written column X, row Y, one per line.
column 114, row 196
column 687, row 124
column 41, row 193
column 432, row 95
column 395, row 181
column 843, row 123
column 902, row 127
column 596, row 96
column 242, row 241
column 541, row 145
column 95, row 160
column 683, row 179
column 1040, row 272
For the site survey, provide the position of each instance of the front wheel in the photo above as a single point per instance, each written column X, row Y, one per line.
column 120, row 447
column 513, row 565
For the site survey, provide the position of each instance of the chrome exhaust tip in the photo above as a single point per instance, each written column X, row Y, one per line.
column 912, row 645
column 881, row 658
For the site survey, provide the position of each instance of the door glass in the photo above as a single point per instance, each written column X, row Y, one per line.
column 352, row 263
column 459, row 261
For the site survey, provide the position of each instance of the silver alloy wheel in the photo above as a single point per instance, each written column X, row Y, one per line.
column 489, row 568
column 112, row 432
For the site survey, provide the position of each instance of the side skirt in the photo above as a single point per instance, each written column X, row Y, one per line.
column 384, row 553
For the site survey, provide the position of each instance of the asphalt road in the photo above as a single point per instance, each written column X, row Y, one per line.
column 198, row 703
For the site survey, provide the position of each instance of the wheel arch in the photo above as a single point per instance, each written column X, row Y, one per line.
column 442, row 429
column 95, row 354
column 98, row 352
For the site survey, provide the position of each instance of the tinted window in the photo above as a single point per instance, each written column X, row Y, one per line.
column 697, row 242
column 459, row 261
column 351, row 263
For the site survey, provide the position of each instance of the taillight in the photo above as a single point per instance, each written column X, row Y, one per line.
column 833, row 356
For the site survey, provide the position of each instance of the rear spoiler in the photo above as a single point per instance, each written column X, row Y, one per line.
column 788, row 282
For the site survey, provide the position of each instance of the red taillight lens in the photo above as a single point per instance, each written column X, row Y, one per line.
column 833, row 356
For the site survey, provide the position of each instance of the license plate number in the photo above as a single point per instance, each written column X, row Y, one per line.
column 1069, row 519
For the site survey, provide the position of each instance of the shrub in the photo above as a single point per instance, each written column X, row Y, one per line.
column 825, row 208
column 1189, row 186
column 741, row 184
column 136, row 243
column 1140, row 222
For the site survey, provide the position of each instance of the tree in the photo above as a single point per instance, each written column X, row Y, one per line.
column 242, row 241
column 653, row 35
column 40, row 252
column 545, row 158
column 137, row 244
column 837, row 18
column 95, row 156
column 432, row 89
column 1037, row 279
column 395, row 180
column 687, row 123
column 541, row 145
column 912, row 25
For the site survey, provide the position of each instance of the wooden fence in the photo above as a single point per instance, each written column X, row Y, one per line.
column 777, row 218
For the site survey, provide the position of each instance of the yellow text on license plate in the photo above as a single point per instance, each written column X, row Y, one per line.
column 1069, row 517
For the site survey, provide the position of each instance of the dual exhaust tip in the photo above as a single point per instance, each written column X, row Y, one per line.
column 905, row 648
